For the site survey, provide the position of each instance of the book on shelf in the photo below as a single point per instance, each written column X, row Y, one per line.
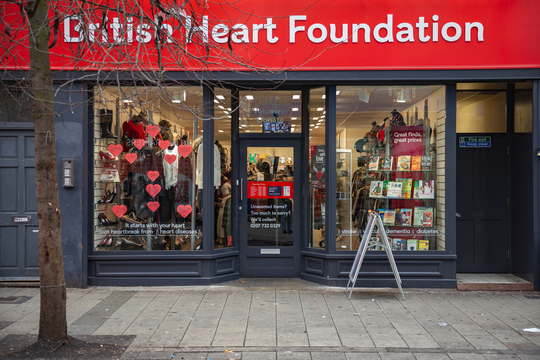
column 403, row 217
column 425, row 164
column 412, row 244
column 406, row 188
column 384, row 190
column 426, row 189
column 389, row 217
column 381, row 213
column 427, row 218
column 387, row 163
column 375, row 189
column 418, row 219
column 394, row 190
column 415, row 163
column 374, row 163
column 399, row 244
column 404, row 163
column 423, row 244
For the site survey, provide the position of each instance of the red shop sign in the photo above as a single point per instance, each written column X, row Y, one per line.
column 270, row 190
column 284, row 35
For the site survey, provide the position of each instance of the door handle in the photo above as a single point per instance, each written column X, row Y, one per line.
column 458, row 215
column 242, row 189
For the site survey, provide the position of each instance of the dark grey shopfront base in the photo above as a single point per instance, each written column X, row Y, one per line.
column 427, row 271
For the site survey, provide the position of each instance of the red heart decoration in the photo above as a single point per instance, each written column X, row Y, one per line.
column 131, row 157
column 319, row 175
column 170, row 158
column 115, row 150
column 119, row 210
column 153, row 190
column 164, row 144
column 153, row 130
column 138, row 143
column 184, row 210
column 153, row 175
column 153, row 205
column 184, row 150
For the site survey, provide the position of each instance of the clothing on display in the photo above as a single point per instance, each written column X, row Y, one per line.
column 217, row 167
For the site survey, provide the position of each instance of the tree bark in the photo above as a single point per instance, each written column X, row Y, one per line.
column 52, row 321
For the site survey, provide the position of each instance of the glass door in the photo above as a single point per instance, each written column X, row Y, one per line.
column 269, row 205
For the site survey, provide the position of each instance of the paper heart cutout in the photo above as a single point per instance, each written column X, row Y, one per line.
column 115, row 150
column 319, row 175
column 153, row 190
column 153, row 130
column 184, row 150
column 153, row 175
column 163, row 144
column 119, row 210
column 153, row 205
column 131, row 157
column 170, row 159
column 138, row 143
column 184, row 210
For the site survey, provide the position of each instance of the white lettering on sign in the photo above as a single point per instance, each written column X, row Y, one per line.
column 122, row 31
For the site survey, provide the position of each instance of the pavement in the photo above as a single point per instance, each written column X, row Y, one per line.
column 289, row 319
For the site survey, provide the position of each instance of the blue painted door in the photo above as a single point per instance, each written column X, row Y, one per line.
column 18, row 210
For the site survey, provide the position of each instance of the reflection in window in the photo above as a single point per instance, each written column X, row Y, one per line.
column 276, row 111
column 317, row 157
column 390, row 158
column 147, row 180
column 223, row 193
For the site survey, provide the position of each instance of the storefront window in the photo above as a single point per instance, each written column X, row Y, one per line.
column 317, row 157
column 390, row 157
column 523, row 108
column 147, row 173
column 276, row 111
column 222, row 172
column 481, row 108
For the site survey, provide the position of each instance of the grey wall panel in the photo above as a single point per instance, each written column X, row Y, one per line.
column 31, row 250
column 148, row 268
column 8, row 247
column 314, row 266
column 224, row 266
column 70, row 107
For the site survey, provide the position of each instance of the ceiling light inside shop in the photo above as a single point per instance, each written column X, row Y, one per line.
column 220, row 130
column 221, row 107
column 294, row 118
column 316, row 118
column 338, row 92
column 216, row 101
column 320, row 109
column 296, row 97
column 294, row 109
column 259, row 118
column 316, row 127
column 292, row 129
column 243, row 125
column 128, row 100
column 255, row 109
column 220, row 97
column 363, row 95
column 311, row 124
column 249, row 97
column 179, row 97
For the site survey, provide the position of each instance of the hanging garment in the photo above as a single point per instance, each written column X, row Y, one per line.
column 170, row 171
column 217, row 167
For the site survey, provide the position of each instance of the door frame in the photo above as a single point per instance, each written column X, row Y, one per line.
column 240, row 184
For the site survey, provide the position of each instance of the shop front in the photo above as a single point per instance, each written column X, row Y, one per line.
column 212, row 174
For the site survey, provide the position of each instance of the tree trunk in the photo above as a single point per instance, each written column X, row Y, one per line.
column 52, row 321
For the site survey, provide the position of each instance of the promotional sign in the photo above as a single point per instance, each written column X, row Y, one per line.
column 270, row 190
column 281, row 35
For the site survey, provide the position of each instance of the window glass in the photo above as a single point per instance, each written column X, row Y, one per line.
column 317, row 156
column 276, row 111
column 481, row 108
column 147, row 173
column 15, row 103
column 523, row 111
column 224, row 191
column 390, row 157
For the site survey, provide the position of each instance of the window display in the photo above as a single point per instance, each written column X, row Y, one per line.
column 395, row 136
column 148, row 169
